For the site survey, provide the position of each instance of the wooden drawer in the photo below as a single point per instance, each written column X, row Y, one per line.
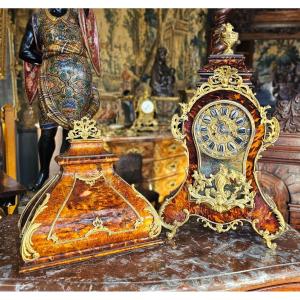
column 167, row 148
column 164, row 186
column 164, row 162
column 144, row 148
column 169, row 166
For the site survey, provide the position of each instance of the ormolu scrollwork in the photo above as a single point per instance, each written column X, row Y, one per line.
column 222, row 191
column 84, row 129
column 28, row 253
column 220, row 227
column 224, row 78
column 272, row 131
column 90, row 180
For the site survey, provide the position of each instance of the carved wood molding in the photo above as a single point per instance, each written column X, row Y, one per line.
column 286, row 150
column 256, row 24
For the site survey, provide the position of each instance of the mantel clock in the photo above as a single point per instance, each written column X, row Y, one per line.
column 145, row 114
column 224, row 130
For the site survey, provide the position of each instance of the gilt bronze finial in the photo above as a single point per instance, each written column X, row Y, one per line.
column 229, row 38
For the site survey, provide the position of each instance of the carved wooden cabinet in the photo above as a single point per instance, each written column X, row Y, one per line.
column 164, row 160
column 283, row 161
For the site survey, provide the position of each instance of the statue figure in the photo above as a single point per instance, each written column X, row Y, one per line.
column 128, row 78
column 286, row 90
column 162, row 77
column 55, row 49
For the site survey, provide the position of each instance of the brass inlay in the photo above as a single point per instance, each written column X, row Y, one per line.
column 28, row 252
column 97, row 222
column 97, row 227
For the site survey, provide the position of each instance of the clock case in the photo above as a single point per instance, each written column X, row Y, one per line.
column 229, row 196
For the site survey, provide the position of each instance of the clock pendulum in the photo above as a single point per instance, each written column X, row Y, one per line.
column 224, row 130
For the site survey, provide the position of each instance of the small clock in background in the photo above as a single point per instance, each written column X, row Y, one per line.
column 147, row 106
column 145, row 114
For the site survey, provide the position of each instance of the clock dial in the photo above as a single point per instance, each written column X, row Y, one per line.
column 147, row 106
column 222, row 130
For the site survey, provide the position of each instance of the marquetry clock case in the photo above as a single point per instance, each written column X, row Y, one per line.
column 224, row 130
column 85, row 211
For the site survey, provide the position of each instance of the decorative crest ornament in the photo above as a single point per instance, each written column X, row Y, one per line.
column 229, row 38
column 84, row 129
column 225, row 76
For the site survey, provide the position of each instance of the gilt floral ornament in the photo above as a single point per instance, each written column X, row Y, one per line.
column 84, row 129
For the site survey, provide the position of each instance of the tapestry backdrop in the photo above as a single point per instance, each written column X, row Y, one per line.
column 269, row 55
column 129, row 39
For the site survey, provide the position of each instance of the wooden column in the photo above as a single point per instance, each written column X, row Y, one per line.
column 9, row 142
column 9, row 136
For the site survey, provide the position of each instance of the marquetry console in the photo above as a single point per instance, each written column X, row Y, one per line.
column 164, row 159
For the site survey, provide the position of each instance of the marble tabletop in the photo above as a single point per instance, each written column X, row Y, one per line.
column 197, row 260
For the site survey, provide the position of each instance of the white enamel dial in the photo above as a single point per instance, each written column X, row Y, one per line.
column 147, row 106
